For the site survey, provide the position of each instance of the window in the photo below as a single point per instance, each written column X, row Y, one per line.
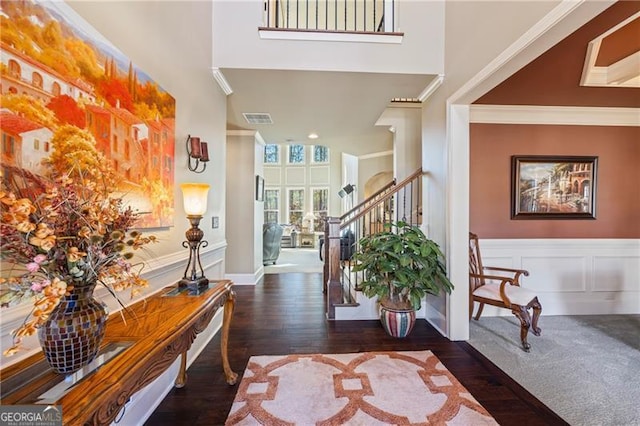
column 55, row 89
column 296, row 154
column 36, row 144
column 271, row 154
column 296, row 207
column 320, row 208
column 114, row 144
column 320, row 154
column 36, row 80
column 126, row 150
column 271, row 205
column 14, row 69
column 8, row 146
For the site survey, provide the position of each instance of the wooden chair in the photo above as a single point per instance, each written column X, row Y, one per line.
column 501, row 287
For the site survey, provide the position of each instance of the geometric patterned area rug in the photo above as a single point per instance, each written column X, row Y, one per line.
column 369, row 388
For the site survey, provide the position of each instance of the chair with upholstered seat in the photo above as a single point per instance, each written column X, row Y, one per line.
column 501, row 287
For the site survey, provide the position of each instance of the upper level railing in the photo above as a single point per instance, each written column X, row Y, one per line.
column 331, row 15
column 399, row 202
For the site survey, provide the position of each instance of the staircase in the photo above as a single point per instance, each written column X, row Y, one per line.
column 392, row 203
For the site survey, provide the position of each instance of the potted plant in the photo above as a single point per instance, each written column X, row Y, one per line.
column 401, row 267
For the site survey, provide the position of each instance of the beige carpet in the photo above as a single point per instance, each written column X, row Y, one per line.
column 370, row 388
column 306, row 260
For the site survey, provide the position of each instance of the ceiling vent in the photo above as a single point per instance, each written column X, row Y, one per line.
column 257, row 117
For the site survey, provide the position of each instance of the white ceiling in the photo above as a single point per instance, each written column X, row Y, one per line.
column 338, row 106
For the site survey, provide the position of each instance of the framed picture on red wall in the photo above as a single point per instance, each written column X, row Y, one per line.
column 553, row 187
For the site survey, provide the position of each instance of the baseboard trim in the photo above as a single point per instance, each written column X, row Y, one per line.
column 246, row 279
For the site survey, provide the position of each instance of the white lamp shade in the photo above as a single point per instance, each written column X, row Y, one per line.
column 194, row 197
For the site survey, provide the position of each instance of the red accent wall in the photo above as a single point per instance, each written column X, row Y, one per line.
column 618, row 179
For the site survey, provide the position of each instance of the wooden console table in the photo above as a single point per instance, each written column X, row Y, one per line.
column 157, row 331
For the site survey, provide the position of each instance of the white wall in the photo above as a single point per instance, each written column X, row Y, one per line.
column 373, row 165
column 405, row 122
column 422, row 22
column 350, row 176
column 244, row 213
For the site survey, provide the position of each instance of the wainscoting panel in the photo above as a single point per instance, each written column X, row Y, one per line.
column 616, row 273
column 319, row 175
column 573, row 276
column 295, row 176
column 548, row 276
column 272, row 175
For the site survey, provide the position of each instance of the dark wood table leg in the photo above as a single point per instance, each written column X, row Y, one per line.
column 229, row 306
column 181, row 380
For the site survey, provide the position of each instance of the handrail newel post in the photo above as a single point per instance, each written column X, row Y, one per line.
column 332, row 265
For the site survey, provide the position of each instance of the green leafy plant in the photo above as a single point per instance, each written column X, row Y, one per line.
column 401, row 266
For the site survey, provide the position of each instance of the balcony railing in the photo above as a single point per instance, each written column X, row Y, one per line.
column 363, row 16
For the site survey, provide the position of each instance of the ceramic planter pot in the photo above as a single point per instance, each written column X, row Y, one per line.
column 397, row 322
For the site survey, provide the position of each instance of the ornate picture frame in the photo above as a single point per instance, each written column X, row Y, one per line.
column 553, row 187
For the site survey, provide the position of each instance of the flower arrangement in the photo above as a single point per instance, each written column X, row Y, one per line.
column 61, row 231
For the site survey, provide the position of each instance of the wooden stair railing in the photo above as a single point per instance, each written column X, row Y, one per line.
column 372, row 199
column 391, row 204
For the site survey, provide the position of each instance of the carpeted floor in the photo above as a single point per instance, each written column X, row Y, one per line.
column 369, row 388
column 296, row 260
column 585, row 368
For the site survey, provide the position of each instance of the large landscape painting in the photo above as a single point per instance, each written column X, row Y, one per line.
column 62, row 82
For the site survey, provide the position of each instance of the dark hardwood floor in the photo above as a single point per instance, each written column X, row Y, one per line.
column 285, row 314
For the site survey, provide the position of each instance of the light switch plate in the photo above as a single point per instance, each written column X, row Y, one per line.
column 215, row 222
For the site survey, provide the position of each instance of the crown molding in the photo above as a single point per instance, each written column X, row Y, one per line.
column 559, row 115
column 431, row 88
column 222, row 81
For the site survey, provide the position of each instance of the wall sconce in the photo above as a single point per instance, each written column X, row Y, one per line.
column 199, row 152
column 194, row 197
